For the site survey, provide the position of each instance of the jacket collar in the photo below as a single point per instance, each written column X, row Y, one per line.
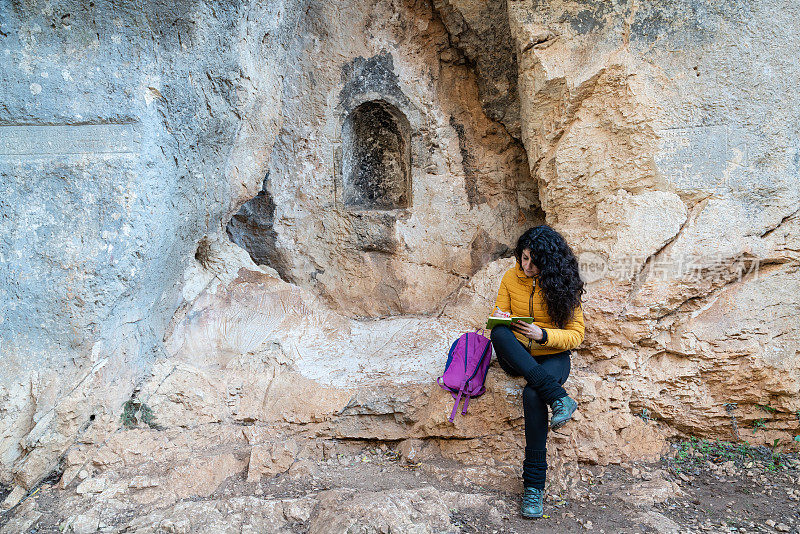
column 521, row 276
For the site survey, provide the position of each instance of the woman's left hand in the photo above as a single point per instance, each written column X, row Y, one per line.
column 529, row 330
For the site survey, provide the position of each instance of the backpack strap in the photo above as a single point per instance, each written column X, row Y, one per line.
column 455, row 406
column 466, row 403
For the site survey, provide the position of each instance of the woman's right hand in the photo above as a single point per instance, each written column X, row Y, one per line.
column 500, row 313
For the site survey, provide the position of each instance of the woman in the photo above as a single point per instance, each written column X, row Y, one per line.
column 544, row 284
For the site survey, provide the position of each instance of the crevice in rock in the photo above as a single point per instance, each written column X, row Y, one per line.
column 56, row 474
column 450, row 298
column 4, row 491
column 542, row 40
column 452, row 272
column 780, row 223
column 252, row 228
column 567, row 118
column 640, row 277
column 487, row 49
column 204, row 254
column 755, row 267
column 468, row 164
column 365, row 441
column 487, row 43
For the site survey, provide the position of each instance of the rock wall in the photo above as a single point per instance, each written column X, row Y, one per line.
column 645, row 129
column 470, row 192
column 661, row 139
column 127, row 133
column 262, row 377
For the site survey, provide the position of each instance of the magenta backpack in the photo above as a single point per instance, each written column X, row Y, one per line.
column 466, row 368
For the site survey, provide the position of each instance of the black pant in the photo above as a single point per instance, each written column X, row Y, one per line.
column 545, row 375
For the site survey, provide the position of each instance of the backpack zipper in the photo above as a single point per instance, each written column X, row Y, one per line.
column 477, row 367
column 466, row 351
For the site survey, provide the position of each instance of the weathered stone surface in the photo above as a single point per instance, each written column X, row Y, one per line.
column 661, row 523
column 201, row 476
column 469, row 193
column 655, row 490
column 313, row 380
column 671, row 202
column 16, row 495
column 268, row 459
column 480, row 30
column 90, row 486
column 127, row 132
column 83, row 523
column 243, row 514
column 423, row 510
column 659, row 138
column 23, row 522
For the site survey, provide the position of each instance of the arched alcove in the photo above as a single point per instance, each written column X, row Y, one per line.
column 376, row 158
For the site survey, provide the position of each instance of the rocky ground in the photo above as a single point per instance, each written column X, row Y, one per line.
column 366, row 487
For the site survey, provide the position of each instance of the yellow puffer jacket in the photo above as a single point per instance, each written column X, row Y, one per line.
column 518, row 297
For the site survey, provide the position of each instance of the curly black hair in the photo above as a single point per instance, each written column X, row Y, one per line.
column 558, row 275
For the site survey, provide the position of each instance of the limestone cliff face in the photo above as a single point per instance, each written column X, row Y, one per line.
column 127, row 132
column 379, row 159
column 385, row 74
column 644, row 126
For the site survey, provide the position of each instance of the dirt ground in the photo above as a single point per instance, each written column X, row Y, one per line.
column 699, row 487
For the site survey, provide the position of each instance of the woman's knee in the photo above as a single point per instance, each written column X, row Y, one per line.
column 506, row 366
column 558, row 366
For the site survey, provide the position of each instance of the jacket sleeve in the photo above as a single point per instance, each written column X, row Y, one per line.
column 569, row 337
column 503, row 300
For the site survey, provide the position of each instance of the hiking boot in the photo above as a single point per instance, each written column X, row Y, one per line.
column 532, row 502
column 563, row 409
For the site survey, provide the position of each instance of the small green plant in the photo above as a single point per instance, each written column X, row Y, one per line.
column 128, row 416
column 683, row 453
column 692, row 455
column 768, row 409
column 147, row 415
column 645, row 415
column 134, row 412
column 797, row 438
column 758, row 424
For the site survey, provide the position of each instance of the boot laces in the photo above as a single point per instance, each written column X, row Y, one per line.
column 531, row 496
